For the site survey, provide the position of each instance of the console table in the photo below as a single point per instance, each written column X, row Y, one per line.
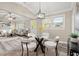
column 72, row 47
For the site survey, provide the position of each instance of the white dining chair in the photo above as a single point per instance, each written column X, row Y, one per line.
column 30, row 44
column 45, row 36
column 31, row 37
column 49, row 44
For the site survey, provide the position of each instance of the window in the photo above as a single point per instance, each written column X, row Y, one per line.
column 33, row 26
column 58, row 21
column 55, row 22
column 46, row 24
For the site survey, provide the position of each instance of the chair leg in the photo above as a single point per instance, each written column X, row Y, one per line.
column 44, row 51
column 37, row 52
column 47, row 49
column 27, row 50
column 56, row 51
column 22, row 49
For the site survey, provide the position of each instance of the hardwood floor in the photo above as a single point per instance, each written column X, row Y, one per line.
column 13, row 48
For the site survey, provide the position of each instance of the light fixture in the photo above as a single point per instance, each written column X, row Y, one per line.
column 11, row 16
column 40, row 15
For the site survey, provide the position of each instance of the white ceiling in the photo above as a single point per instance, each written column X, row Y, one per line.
column 47, row 7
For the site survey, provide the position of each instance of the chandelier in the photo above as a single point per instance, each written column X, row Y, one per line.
column 40, row 15
column 11, row 16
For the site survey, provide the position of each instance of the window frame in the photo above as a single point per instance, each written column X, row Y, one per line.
column 51, row 26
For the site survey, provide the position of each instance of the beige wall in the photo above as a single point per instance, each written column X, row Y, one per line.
column 23, row 11
column 64, row 33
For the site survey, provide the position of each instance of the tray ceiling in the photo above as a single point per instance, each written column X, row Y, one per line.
column 47, row 7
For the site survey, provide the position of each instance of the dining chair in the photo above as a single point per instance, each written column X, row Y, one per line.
column 31, row 37
column 49, row 43
column 30, row 45
column 45, row 36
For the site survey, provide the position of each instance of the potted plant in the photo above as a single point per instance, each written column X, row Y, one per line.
column 74, row 37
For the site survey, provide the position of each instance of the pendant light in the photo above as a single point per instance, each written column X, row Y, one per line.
column 40, row 15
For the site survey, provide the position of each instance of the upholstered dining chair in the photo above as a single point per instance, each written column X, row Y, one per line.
column 49, row 43
column 31, row 37
column 30, row 44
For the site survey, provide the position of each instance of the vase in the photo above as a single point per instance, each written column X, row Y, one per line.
column 74, row 40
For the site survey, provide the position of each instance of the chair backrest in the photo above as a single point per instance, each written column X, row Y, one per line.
column 45, row 36
column 57, row 38
column 31, row 34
